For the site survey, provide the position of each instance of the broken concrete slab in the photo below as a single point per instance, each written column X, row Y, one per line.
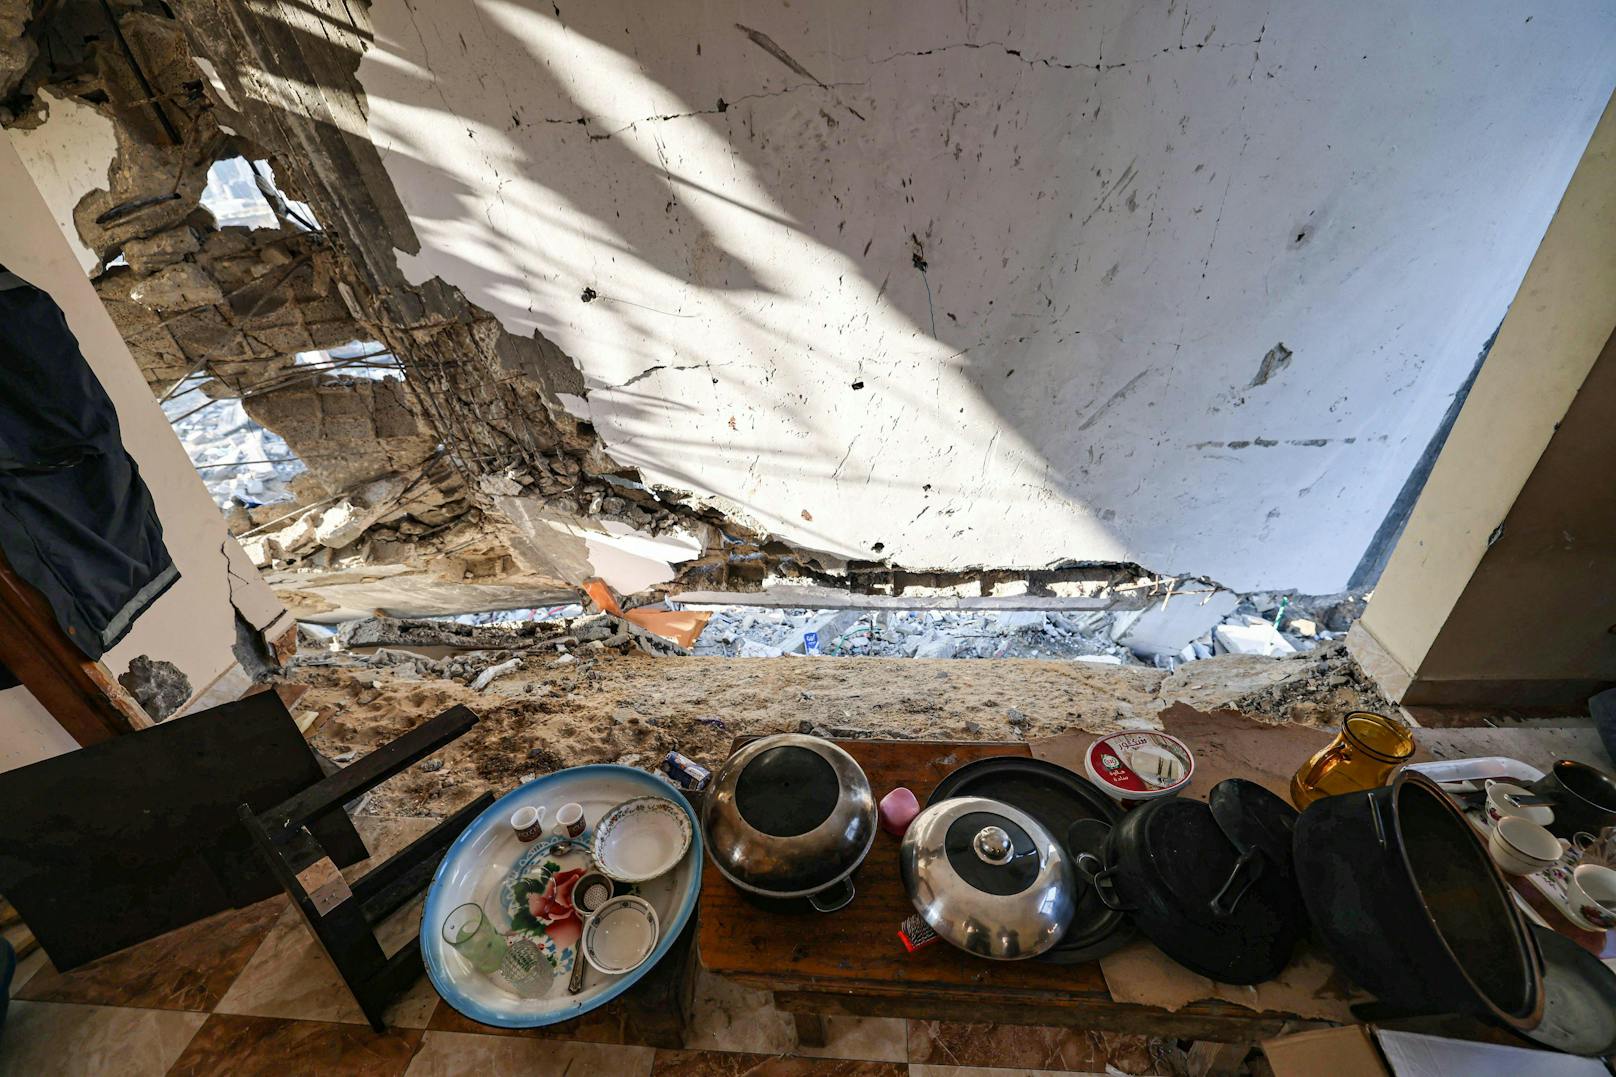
column 180, row 286
column 1260, row 638
column 355, row 514
column 160, row 687
column 1172, row 622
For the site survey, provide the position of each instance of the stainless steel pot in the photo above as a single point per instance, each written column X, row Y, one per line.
column 790, row 816
column 988, row 877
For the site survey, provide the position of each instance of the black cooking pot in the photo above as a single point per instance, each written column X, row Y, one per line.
column 1584, row 797
column 1410, row 907
column 1221, row 908
column 788, row 819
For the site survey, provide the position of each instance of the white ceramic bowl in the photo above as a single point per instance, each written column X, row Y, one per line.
column 1521, row 847
column 619, row 937
column 641, row 839
column 1498, row 807
column 1592, row 893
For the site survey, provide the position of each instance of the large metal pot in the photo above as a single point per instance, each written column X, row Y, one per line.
column 1410, row 907
column 790, row 817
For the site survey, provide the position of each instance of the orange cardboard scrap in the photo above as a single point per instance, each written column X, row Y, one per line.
column 681, row 626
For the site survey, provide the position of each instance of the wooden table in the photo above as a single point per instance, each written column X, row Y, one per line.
column 851, row 962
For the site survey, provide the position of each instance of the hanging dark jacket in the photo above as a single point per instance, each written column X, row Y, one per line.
column 76, row 520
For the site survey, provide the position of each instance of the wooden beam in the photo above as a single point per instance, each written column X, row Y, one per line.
column 79, row 693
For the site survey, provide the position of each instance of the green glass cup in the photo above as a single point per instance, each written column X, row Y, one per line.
column 469, row 931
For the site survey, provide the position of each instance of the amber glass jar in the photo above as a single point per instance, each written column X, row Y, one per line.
column 1362, row 756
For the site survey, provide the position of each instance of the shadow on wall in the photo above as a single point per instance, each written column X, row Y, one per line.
column 961, row 288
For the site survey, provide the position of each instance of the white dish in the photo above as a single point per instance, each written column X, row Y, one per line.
column 641, row 839
column 1499, row 806
column 1521, row 847
column 619, row 937
column 1476, row 768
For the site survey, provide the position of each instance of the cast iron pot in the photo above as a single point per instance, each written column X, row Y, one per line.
column 1225, row 913
column 1584, row 797
column 1409, row 905
column 788, row 819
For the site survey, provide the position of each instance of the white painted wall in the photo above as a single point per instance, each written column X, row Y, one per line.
column 27, row 731
column 1121, row 206
column 192, row 625
column 68, row 156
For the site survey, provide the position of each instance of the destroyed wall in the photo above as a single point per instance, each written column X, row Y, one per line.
column 1183, row 285
column 962, row 293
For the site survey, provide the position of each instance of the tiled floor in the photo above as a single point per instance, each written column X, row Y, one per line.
column 247, row 992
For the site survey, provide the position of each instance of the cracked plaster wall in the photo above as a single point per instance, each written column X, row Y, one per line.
column 193, row 624
column 955, row 285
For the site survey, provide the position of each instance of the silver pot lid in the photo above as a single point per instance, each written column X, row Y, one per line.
column 988, row 877
column 788, row 815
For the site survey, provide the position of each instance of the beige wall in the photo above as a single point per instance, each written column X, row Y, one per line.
column 192, row 625
column 1536, row 605
column 27, row 731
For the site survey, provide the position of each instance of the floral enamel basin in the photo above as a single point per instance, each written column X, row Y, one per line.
column 527, row 891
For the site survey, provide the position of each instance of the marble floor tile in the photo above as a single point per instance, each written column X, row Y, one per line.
column 27, row 967
column 230, row 1045
column 984, row 1071
column 731, row 1064
column 47, row 1039
column 609, row 1024
column 1034, row 1047
column 729, row 1017
column 189, row 968
column 453, row 1054
column 290, row 977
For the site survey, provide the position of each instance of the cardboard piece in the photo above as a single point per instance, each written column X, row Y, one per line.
column 1340, row 1052
column 1310, row 987
column 681, row 626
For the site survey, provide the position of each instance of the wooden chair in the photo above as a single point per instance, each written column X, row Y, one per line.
column 341, row 916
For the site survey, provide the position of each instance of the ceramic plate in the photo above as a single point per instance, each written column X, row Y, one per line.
column 488, row 865
column 641, row 839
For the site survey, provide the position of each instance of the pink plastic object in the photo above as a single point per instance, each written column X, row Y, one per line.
column 898, row 810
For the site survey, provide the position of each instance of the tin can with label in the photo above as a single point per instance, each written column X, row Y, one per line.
column 685, row 772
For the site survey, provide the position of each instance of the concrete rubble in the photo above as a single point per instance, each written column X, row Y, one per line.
column 1165, row 634
column 474, row 654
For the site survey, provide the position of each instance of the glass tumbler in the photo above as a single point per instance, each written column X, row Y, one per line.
column 526, row 969
column 468, row 930
column 1362, row 756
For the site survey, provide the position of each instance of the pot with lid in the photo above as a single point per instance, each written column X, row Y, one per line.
column 790, row 817
column 988, row 877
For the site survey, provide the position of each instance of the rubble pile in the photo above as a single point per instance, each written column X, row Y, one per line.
column 477, row 653
column 741, row 632
column 1128, row 637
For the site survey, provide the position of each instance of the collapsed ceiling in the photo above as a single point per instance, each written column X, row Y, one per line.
column 942, row 300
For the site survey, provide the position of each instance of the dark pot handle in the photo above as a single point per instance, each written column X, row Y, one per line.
column 1250, row 866
column 833, row 897
column 1099, row 876
column 1380, row 826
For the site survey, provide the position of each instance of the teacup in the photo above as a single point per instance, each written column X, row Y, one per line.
column 1591, row 891
column 528, row 823
column 1498, row 806
column 1521, row 847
